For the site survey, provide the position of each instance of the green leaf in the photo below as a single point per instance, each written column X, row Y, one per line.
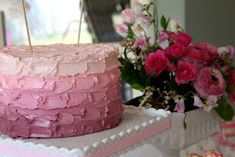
column 164, row 22
column 136, row 78
column 224, row 110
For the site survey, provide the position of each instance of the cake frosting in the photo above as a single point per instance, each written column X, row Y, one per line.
column 58, row 60
column 59, row 90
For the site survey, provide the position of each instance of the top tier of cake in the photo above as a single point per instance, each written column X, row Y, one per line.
column 58, row 60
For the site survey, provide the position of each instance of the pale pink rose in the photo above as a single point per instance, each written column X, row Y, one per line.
column 129, row 16
column 163, row 40
column 212, row 153
column 186, row 72
column 197, row 101
column 122, row 29
column 227, row 49
column 180, row 106
column 209, row 81
column 141, row 43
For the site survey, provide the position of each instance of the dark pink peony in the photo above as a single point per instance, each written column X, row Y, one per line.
column 181, row 38
column 185, row 72
column 210, row 81
column 231, row 76
column 156, row 62
column 201, row 54
column 176, row 50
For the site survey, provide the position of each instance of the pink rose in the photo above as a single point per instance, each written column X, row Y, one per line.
column 209, row 81
column 232, row 98
column 181, row 38
column 176, row 50
column 122, row 29
column 231, row 77
column 141, row 43
column 201, row 54
column 129, row 16
column 185, row 72
column 156, row 62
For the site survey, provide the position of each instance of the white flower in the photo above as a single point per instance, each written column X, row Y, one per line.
column 129, row 16
column 211, row 102
column 227, row 49
column 142, row 28
column 197, row 101
column 175, row 25
column 139, row 7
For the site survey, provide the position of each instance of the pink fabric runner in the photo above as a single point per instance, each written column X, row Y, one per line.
column 135, row 138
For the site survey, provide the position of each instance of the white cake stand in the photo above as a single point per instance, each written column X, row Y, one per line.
column 141, row 133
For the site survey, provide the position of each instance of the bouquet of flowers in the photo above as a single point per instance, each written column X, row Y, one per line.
column 172, row 72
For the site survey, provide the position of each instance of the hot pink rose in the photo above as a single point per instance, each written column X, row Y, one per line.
column 201, row 54
column 185, row 72
column 156, row 62
column 210, row 81
column 181, row 38
column 176, row 50
column 231, row 76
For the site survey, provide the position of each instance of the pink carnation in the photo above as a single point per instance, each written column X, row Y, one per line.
column 181, row 38
column 201, row 54
column 210, row 81
column 156, row 62
column 185, row 72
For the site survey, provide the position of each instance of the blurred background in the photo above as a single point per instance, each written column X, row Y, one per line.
column 56, row 21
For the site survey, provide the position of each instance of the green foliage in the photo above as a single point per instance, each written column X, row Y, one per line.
column 224, row 110
column 136, row 78
column 164, row 22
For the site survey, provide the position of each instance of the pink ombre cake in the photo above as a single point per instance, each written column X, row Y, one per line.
column 59, row 90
